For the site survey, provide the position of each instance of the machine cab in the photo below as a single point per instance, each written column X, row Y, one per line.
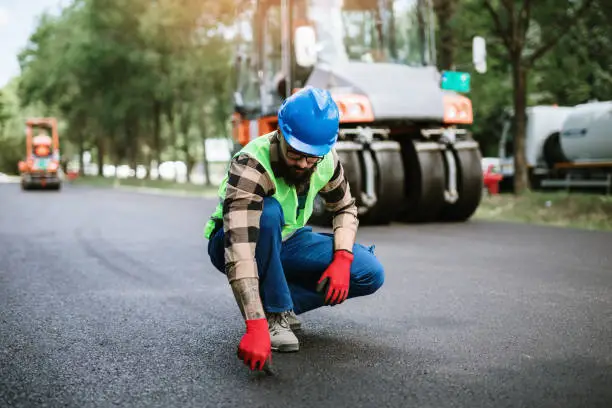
column 280, row 43
column 43, row 155
column 398, row 113
column 42, row 150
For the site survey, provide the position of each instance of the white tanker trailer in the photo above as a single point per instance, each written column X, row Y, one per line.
column 586, row 135
column 566, row 147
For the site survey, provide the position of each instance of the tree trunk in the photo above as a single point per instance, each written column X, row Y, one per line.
column 173, row 142
column 392, row 38
column 185, row 124
column 445, row 10
column 81, row 151
column 101, row 150
column 132, row 141
column 157, row 131
column 519, row 79
column 134, row 144
column 202, row 124
column 188, row 161
column 81, row 129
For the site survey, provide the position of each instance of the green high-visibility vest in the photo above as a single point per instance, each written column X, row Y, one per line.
column 285, row 194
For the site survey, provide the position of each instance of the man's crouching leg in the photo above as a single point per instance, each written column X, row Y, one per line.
column 275, row 293
column 308, row 254
column 367, row 273
column 273, row 288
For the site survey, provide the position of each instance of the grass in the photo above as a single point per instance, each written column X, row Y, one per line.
column 145, row 183
column 575, row 210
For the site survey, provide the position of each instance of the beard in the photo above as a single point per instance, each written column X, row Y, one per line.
column 292, row 174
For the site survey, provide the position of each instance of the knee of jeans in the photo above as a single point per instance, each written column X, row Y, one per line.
column 272, row 216
column 374, row 277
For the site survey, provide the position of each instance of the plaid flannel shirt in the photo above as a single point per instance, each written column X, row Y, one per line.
column 248, row 183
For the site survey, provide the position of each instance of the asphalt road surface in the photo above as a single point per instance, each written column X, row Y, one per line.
column 107, row 298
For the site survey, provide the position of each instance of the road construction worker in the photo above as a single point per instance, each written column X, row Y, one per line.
column 277, row 266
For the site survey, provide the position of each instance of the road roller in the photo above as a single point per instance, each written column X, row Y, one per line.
column 403, row 139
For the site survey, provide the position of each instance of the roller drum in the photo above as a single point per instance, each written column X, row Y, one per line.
column 470, row 182
column 424, row 181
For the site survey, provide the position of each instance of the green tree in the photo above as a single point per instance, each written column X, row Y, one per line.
column 5, row 115
column 491, row 91
column 447, row 43
column 579, row 68
column 12, row 133
column 528, row 30
column 130, row 77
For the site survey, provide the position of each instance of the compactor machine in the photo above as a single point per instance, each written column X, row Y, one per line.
column 402, row 141
column 41, row 168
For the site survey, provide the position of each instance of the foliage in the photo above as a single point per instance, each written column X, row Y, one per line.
column 136, row 81
column 559, row 52
column 12, row 125
column 131, row 77
column 585, row 73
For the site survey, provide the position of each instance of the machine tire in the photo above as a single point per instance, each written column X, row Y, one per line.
column 349, row 155
column 469, row 185
column 389, row 182
column 552, row 151
column 424, row 181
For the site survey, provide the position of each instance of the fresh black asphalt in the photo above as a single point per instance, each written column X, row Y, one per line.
column 107, row 298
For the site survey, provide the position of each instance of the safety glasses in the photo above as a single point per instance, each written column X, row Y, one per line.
column 293, row 154
column 297, row 156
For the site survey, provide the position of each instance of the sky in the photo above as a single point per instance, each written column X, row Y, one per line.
column 18, row 19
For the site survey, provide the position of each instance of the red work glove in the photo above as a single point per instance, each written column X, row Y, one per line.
column 255, row 348
column 336, row 277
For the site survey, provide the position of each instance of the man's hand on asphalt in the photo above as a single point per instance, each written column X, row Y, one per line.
column 255, row 348
column 336, row 277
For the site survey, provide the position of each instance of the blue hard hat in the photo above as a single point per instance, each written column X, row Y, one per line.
column 309, row 121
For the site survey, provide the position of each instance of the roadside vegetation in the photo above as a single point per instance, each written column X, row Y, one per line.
column 562, row 209
column 142, row 82
column 575, row 210
column 112, row 182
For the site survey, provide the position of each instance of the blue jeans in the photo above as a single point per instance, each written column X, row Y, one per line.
column 289, row 271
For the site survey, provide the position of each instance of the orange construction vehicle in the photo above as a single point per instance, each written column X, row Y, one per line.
column 42, row 164
column 404, row 140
